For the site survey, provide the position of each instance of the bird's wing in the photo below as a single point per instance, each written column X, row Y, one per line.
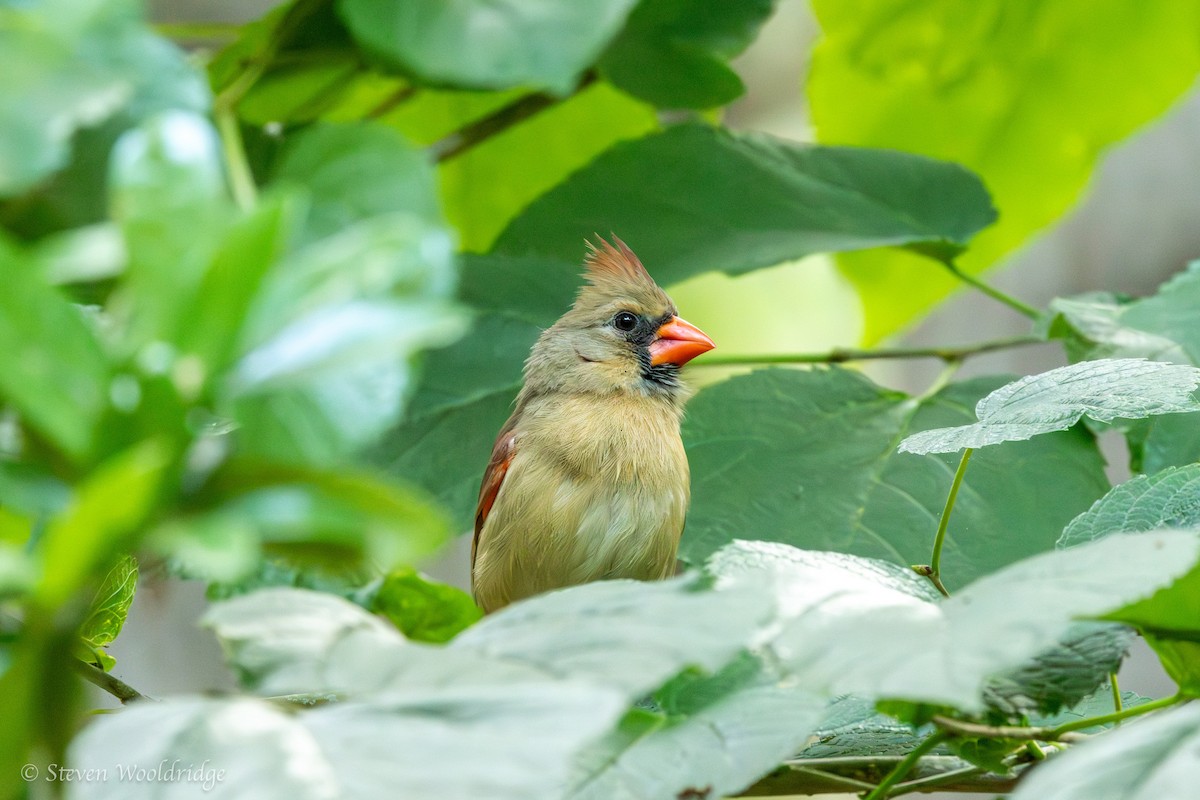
column 493, row 476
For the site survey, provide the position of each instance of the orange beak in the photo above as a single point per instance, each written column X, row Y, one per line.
column 678, row 342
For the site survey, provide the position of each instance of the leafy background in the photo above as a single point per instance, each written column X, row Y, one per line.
column 315, row 311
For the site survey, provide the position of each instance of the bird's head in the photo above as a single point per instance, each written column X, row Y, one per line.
column 622, row 334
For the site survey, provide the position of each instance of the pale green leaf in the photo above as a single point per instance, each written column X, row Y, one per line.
column 1103, row 390
column 836, row 607
column 111, row 604
column 1028, row 94
column 1150, row 759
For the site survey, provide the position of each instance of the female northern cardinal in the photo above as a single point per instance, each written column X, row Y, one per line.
column 588, row 478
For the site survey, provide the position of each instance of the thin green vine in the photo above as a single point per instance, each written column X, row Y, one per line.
column 933, row 570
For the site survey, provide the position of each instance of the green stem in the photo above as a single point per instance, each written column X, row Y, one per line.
column 1118, row 704
column 840, row 355
column 109, row 683
column 241, row 179
column 1116, row 716
column 902, row 769
column 1017, row 305
column 934, row 781
column 516, row 112
column 933, row 570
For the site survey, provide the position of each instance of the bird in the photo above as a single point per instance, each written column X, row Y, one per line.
column 588, row 479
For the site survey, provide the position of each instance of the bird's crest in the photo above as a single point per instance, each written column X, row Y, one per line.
column 608, row 262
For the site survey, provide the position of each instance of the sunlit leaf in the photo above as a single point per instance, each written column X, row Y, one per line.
column 1167, row 499
column 836, row 607
column 1103, row 390
column 1027, row 94
column 111, row 604
column 423, row 610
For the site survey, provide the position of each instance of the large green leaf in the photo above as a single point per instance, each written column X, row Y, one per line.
column 1026, row 93
column 674, row 53
column 1148, row 760
column 752, row 202
column 70, row 64
column 52, row 369
column 479, row 44
column 808, row 458
column 1103, row 390
column 836, row 607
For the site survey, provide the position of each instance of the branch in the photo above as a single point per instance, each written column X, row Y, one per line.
column 964, row 728
column 516, row 112
column 838, row 774
column 1019, row 306
column 840, row 355
column 109, row 683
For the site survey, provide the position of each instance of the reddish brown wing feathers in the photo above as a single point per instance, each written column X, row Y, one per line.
column 493, row 476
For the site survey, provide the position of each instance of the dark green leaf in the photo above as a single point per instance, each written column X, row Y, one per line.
column 477, row 44
column 836, row 607
column 111, row 605
column 852, row 727
column 421, row 609
column 1151, row 760
column 674, row 53
column 752, row 202
column 1104, row 390
column 1062, row 675
column 1167, row 499
column 808, row 458
column 52, row 369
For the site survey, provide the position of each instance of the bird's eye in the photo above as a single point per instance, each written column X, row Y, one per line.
column 625, row 321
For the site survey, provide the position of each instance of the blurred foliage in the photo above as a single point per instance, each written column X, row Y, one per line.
column 1026, row 93
column 260, row 333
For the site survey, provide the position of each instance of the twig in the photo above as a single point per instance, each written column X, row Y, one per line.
column 1118, row 705
column 521, row 109
column 883, row 790
column 1115, row 717
column 241, row 179
column 109, row 683
column 840, row 355
column 933, row 570
column 1019, row 306
column 393, row 100
column 940, row 780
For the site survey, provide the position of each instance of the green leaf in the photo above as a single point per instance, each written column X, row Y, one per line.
column 102, row 520
column 167, row 193
column 1062, row 675
column 675, row 53
column 354, row 172
column 738, row 725
column 484, row 188
column 1180, row 659
column 1096, row 705
column 836, row 607
column 344, row 515
column 1104, row 390
column 52, row 369
column 111, row 604
column 1152, row 759
column 852, row 727
column 1167, row 499
column 477, row 44
column 421, row 609
column 808, row 458
column 1027, row 94
column 348, row 749
column 753, row 202
column 71, row 64
column 1092, row 326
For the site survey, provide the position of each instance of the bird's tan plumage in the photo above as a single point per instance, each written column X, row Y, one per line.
column 588, row 478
